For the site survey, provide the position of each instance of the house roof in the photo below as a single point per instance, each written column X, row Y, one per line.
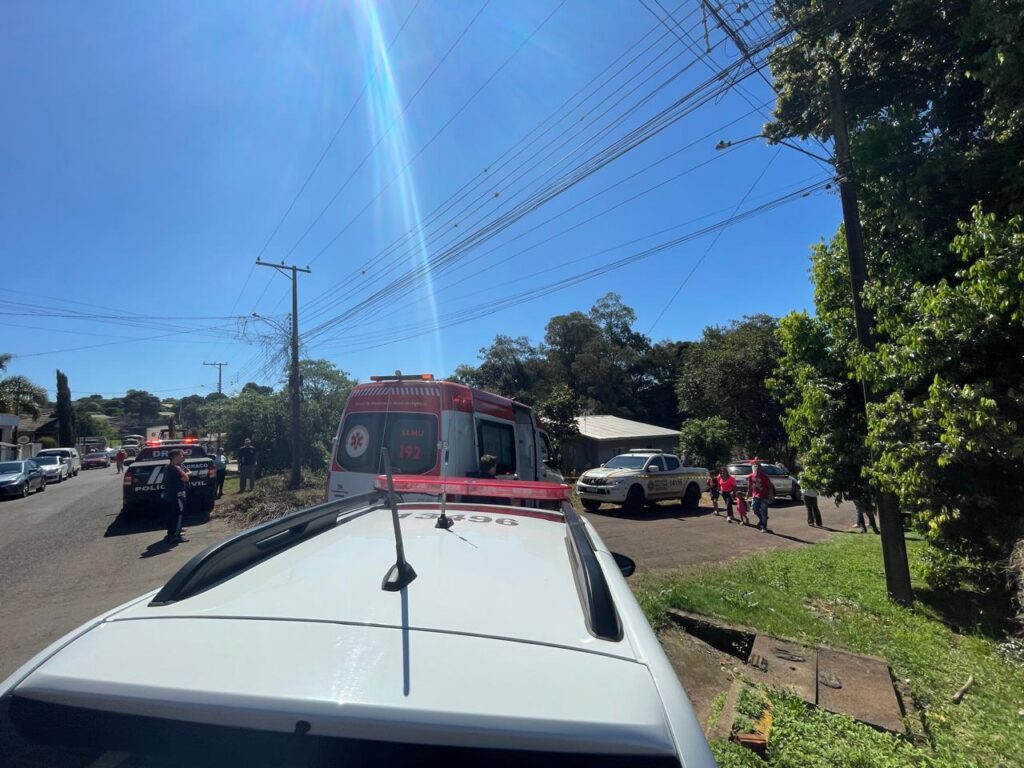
column 28, row 425
column 615, row 428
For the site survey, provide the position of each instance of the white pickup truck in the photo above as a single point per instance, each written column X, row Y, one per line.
column 632, row 479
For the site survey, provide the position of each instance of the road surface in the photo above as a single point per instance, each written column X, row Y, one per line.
column 66, row 556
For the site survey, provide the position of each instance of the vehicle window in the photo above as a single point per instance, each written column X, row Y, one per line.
column 626, row 462
column 7, row 467
column 411, row 441
column 35, row 733
column 47, row 460
column 671, row 463
column 657, row 462
column 739, row 469
column 499, row 440
column 768, row 469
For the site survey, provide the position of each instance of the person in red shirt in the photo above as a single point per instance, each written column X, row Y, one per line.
column 119, row 458
column 727, row 485
column 759, row 487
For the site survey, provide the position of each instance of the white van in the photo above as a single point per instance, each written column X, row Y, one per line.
column 71, row 454
column 413, row 415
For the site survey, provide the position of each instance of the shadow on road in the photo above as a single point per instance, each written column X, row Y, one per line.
column 158, row 548
column 653, row 512
column 152, row 521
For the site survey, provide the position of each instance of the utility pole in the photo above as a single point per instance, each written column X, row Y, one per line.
column 894, row 547
column 293, row 377
column 220, row 373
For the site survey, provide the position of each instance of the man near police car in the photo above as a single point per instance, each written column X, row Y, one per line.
column 760, row 487
column 175, row 489
column 247, row 465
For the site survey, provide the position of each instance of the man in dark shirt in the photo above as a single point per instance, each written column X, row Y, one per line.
column 175, row 488
column 246, row 466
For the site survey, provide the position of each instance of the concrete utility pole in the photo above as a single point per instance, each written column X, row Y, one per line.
column 293, row 377
column 894, row 546
column 220, row 375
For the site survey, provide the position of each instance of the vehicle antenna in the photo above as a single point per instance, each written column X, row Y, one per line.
column 401, row 574
column 444, row 521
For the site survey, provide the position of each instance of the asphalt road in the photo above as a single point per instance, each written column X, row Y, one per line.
column 667, row 536
column 66, row 556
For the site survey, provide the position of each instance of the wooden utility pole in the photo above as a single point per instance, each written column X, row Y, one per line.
column 894, row 547
column 220, row 375
column 293, row 377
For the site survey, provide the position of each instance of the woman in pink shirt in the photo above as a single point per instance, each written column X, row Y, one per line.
column 727, row 485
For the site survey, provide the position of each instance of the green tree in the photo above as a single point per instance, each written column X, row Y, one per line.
column 933, row 93
column 707, row 442
column 726, row 373
column 19, row 395
column 141, row 407
column 325, row 390
column 512, row 367
column 191, row 413
column 558, row 412
column 66, row 434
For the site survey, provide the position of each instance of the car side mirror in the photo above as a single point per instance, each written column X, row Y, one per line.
column 626, row 564
column 602, row 465
column 653, row 468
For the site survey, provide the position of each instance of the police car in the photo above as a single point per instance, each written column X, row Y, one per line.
column 371, row 630
column 143, row 482
column 632, row 479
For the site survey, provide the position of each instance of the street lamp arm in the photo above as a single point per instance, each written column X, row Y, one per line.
column 726, row 144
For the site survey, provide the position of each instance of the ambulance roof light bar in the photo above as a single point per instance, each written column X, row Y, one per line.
column 399, row 376
column 468, row 486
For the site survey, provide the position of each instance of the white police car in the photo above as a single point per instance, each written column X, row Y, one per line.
column 632, row 479
column 363, row 631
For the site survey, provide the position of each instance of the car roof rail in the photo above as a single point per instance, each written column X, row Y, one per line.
column 226, row 559
column 645, row 450
column 598, row 606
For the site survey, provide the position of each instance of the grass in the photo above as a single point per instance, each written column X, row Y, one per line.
column 834, row 594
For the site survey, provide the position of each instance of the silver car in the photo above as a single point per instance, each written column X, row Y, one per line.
column 783, row 484
column 56, row 468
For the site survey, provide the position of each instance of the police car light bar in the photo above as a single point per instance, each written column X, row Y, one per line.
column 467, row 486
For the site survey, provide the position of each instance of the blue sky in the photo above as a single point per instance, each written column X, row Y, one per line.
column 149, row 150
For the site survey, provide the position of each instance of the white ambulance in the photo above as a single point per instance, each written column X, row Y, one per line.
column 414, row 417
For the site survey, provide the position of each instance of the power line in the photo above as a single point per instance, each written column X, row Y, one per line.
column 711, row 245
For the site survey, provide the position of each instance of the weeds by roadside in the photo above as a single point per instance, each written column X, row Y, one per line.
column 272, row 498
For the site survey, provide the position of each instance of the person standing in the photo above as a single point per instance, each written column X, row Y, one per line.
column 174, row 495
column 714, row 488
column 864, row 511
column 727, row 485
column 811, row 502
column 760, row 491
column 220, row 461
column 247, row 466
column 119, row 458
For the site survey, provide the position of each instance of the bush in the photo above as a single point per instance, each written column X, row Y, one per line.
column 707, row 442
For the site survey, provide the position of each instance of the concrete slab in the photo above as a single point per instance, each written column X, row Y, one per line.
column 859, row 686
column 784, row 665
column 703, row 671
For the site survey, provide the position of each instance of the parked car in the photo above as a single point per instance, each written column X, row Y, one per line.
column 130, row 454
column 783, row 484
column 632, row 479
column 96, row 459
column 54, row 467
column 20, row 478
column 71, row 454
column 318, row 639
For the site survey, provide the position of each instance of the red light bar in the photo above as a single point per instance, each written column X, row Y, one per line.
column 152, row 442
column 189, row 440
column 405, row 377
column 468, row 486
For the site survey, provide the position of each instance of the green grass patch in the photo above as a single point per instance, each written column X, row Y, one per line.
column 271, row 498
column 834, row 594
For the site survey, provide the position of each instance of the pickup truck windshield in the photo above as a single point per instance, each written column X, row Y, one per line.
column 163, row 452
column 626, row 462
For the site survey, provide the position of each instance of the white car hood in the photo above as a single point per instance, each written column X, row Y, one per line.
column 611, row 472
